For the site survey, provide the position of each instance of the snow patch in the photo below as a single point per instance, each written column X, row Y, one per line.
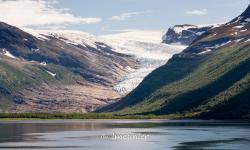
column 75, row 37
column 200, row 33
column 238, row 40
column 35, row 49
column 222, row 44
column 36, row 33
column 209, row 49
column 247, row 20
column 238, row 27
column 179, row 29
column 248, row 40
column 8, row 54
column 215, row 25
column 204, row 52
column 43, row 63
column 243, row 30
column 69, row 36
column 103, row 46
column 217, row 46
column 50, row 73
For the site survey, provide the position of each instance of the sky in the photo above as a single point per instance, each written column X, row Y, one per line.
column 112, row 16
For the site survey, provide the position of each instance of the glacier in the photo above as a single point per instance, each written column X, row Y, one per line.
column 146, row 46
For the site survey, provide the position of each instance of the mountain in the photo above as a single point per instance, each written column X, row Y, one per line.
column 67, row 71
column 147, row 48
column 209, row 79
column 185, row 34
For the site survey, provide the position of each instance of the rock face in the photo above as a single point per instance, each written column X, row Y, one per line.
column 184, row 34
column 39, row 68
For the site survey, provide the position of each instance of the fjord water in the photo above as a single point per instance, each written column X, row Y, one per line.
column 124, row 134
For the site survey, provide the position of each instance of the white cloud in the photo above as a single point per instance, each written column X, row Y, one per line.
column 39, row 13
column 125, row 16
column 201, row 12
column 125, row 30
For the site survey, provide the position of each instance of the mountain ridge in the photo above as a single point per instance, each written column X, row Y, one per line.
column 206, row 76
column 185, row 34
column 50, row 72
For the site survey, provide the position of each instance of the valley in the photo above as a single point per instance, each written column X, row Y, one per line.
column 75, row 71
column 187, row 71
column 206, row 80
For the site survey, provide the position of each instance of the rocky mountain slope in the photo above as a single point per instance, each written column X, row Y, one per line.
column 64, row 71
column 209, row 79
column 185, row 34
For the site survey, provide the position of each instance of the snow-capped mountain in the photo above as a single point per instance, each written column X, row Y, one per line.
column 237, row 31
column 74, row 63
column 147, row 48
column 209, row 79
column 67, row 71
column 69, row 36
column 185, row 34
column 243, row 18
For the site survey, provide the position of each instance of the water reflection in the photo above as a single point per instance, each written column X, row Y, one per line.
column 125, row 134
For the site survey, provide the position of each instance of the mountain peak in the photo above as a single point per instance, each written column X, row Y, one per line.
column 246, row 13
column 184, row 34
column 244, row 17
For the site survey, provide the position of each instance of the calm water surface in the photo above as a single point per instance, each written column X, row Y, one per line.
column 125, row 135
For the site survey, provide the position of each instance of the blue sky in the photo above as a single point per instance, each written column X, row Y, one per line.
column 107, row 16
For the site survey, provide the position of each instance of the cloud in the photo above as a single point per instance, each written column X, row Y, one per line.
column 125, row 30
column 125, row 16
column 39, row 13
column 201, row 12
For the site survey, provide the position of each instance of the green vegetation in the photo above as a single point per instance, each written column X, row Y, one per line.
column 211, row 85
column 42, row 71
column 32, row 116
column 217, row 80
column 16, row 76
column 209, row 79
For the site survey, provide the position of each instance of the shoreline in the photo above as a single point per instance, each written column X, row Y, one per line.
column 80, row 116
column 101, row 116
